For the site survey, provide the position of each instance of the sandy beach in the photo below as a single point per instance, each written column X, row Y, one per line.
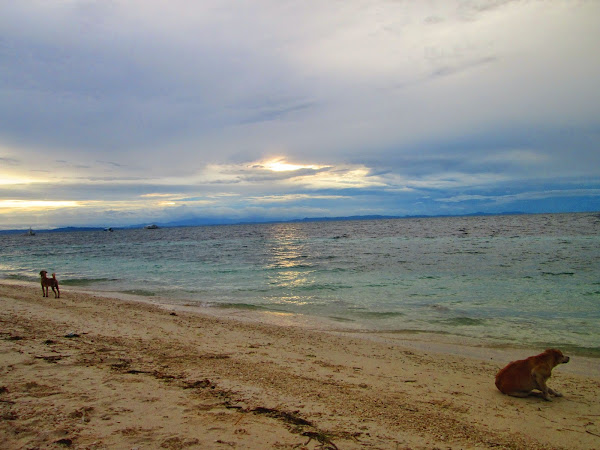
column 90, row 372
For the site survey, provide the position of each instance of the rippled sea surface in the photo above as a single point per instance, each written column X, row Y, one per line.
column 505, row 279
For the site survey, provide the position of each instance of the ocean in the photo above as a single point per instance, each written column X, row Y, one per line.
column 529, row 280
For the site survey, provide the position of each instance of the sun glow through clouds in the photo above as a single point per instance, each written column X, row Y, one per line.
column 279, row 165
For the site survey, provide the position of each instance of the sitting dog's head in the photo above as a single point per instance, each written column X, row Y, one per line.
column 557, row 356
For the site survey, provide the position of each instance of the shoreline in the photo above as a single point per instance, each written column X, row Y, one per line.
column 439, row 342
column 101, row 372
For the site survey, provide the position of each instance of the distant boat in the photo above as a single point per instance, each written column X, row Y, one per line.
column 30, row 232
column 109, row 229
column 152, row 227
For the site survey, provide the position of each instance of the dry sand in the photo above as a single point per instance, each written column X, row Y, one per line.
column 86, row 371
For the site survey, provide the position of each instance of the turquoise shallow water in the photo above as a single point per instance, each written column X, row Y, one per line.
column 505, row 279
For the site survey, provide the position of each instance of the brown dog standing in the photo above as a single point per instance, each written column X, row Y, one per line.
column 519, row 378
column 49, row 282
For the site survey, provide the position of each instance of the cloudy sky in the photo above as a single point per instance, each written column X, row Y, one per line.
column 117, row 112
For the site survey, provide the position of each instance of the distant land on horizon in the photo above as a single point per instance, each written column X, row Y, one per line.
column 197, row 222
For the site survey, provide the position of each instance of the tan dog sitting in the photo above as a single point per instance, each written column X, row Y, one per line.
column 49, row 282
column 519, row 378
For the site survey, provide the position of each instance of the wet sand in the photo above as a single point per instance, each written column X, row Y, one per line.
column 86, row 371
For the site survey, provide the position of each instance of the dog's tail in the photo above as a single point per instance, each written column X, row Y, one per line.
column 54, row 276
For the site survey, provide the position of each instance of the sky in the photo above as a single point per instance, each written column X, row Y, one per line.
column 116, row 112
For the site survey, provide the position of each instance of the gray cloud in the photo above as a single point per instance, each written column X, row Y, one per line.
column 10, row 161
column 149, row 97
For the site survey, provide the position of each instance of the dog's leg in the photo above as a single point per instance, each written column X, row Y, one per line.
column 540, row 379
column 555, row 393
column 55, row 284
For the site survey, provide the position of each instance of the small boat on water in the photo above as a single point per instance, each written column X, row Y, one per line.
column 30, row 232
column 109, row 229
column 152, row 227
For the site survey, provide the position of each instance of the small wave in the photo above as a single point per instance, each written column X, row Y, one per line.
column 439, row 307
column 246, row 306
column 260, row 290
column 461, row 321
column 323, row 287
column 378, row 315
column 17, row 277
column 229, row 271
column 284, row 266
column 412, row 331
column 140, row 292
column 558, row 274
column 421, row 295
column 340, row 319
column 84, row 281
